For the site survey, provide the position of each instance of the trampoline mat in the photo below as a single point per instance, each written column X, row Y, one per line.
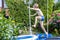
column 54, row 38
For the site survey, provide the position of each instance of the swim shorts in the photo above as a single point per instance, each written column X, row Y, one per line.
column 42, row 18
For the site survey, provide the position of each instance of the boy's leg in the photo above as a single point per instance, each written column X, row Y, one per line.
column 36, row 18
column 41, row 23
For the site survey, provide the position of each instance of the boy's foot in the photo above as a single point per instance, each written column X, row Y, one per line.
column 46, row 33
column 34, row 26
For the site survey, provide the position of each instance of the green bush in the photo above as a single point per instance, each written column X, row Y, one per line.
column 56, row 6
column 56, row 11
column 54, row 26
column 50, row 4
column 6, row 28
column 18, row 10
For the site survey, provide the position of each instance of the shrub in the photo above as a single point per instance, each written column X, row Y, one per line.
column 50, row 4
column 56, row 6
column 54, row 25
column 6, row 28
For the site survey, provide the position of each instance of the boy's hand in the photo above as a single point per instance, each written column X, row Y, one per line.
column 34, row 26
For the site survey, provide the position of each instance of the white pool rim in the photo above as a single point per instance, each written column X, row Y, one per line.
column 33, row 37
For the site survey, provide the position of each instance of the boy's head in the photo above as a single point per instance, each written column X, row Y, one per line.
column 35, row 5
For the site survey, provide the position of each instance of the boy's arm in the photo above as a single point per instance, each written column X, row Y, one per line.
column 34, row 14
column 33, row 8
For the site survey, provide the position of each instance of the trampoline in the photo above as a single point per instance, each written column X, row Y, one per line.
column 27, row 37
column 33, row 37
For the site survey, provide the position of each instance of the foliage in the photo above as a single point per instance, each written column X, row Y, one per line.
column 56, row 11
column 54, row 26
column 6, row 28
column 56, row 6
column 50, row 7
column 18, row 10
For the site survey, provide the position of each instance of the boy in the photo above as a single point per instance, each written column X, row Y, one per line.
column 4, row 5
column 40, row 16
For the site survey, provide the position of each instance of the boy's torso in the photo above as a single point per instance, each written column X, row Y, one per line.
column 39, row 12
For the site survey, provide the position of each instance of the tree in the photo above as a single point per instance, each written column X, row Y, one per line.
column 50, row 8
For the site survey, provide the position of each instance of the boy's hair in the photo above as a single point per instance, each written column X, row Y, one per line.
column 35, row 5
